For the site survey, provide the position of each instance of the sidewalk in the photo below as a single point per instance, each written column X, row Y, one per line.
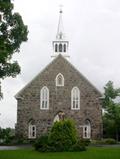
column 15, row 147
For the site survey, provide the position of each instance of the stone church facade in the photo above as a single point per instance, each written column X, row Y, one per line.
column 60, row 91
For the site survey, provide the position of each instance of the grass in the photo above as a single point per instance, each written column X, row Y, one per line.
column 91, row 153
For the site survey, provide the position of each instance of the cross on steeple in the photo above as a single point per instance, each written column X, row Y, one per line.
column 60, row 45
column 60, row 31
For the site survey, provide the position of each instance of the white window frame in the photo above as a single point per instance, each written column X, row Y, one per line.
column 1, row 14
column 30, row 131
column 77, row 102
column 44, row 98
column 57, row 83
column 86, row 131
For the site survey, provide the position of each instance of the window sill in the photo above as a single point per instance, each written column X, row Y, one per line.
column 75, row 108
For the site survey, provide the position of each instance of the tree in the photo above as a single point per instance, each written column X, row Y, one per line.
column 6, row 135
column 111, row 104
column 12, row 33
column 63, row 135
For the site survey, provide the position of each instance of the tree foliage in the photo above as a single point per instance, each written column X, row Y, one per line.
column 12, row 33
column 6, row 135
column 111, row 105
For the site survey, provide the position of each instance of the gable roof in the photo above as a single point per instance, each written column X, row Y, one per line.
column 58, row 57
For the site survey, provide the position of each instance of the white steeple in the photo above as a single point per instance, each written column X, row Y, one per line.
column 60, row 45
column 60, row 32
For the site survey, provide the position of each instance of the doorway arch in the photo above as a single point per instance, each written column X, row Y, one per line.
column 59, row 116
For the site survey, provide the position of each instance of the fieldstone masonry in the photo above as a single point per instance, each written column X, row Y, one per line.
column 28, row 101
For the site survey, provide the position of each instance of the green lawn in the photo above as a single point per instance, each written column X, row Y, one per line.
column 91, row 153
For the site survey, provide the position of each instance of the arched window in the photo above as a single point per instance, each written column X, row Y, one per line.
column 56, row 47
column 31, row 130
column 59, row 80
column 87, row 129
column 44, row 96
column 75, row 98
column 64, row 47
column 60, row 47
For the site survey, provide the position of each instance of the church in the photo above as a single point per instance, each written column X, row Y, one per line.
column 59, row 92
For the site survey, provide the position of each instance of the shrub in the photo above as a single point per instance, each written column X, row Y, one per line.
column 18, row 140
column 63, row 135
column 85, row 142
column 104, row 141
column 78, row 146
column 41, row 144
column 109, row 141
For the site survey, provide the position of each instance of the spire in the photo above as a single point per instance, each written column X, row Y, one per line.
column 60, row 30
column 60, row 45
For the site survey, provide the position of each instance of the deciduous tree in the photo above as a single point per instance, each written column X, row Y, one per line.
column 12, row 33
column 111, row 104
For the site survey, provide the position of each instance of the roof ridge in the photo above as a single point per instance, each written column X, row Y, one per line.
column 59, row 56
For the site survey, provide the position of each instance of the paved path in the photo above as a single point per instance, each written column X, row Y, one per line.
column 30, row 146
column 15, row 147
column 97, row 145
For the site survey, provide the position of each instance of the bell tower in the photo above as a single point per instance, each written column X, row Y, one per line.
column 60, row 45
